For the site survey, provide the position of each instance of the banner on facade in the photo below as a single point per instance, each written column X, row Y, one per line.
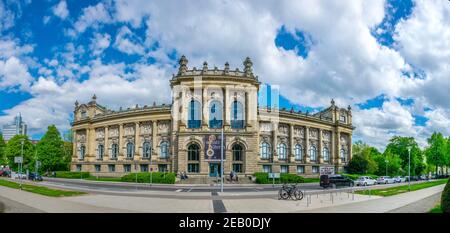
column 326, row 170
column 213, row 146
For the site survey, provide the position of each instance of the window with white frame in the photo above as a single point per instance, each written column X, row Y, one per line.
column 343, row 155
column 298, row 152
column 313, row 154
column 130, row 150
column 284, row 169
column 100, row 151
column 164, row 153
column 267, row 168
column 82, row 152
column 326, row 154
column 282, row 151
column 315, row 169
column 264, row 150
column 114, row 150
column 300, row 169
column 146, row 150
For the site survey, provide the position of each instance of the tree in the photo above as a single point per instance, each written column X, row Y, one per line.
column 14, row 148
column 399, row 146
column 2, row 150
column 51, row 151
column 362, row 159
column 436, row 152
column 389, row 162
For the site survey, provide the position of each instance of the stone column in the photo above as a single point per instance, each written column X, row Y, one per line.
column 121, row 149
column 338, row 147
column 274, row 152
column 226, row 109
column 137, row 140
column 154, row 142
column 350, row 149
column 291, row 143
column 320, row 147
column 333, row 148
column 106, row 145
column 224, row 106
column 205, row 115
column 307, row 159
column 247, row 111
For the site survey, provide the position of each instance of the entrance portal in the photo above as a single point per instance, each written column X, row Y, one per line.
column 214, row 170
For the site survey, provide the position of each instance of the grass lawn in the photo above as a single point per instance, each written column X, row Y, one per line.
column 40, row 189
column 401, row 189
column 102, row 178
column 436, row 210
column 312, row 180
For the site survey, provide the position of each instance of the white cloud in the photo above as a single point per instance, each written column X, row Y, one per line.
column 99, row 43
column 6, row 17
column 127, row 42
column 14, row 74
column 61, row 10
column 93, row 16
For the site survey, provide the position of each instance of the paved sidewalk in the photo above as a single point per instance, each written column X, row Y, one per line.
column 382, row 205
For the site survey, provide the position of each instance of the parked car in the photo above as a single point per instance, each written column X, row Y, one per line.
column 385, row 180
column 35, row 176
column 424, row 177
column 335, row 181
column 364, row 181
column 17, row 175
column 413, row 178
column 399, row 179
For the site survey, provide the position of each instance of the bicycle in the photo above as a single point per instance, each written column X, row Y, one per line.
column 290, row 191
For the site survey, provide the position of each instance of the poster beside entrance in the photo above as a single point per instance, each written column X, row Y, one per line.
column 213, row 146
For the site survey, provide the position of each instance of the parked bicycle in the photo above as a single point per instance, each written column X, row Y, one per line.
column 290, row 192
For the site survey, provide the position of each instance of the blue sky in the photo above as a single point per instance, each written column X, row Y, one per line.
column 361, row 54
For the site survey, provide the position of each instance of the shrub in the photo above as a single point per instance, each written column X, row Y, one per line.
column 144, row 177
column 445, row 198
column 263, row 178
column 72, row 175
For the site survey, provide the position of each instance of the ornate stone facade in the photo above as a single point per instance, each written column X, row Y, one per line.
column 178, row 137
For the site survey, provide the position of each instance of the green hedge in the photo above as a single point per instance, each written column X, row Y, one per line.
column 356, row 176
column 144, row 177
column 263, row 178
column 445, row 198
column 72, row 175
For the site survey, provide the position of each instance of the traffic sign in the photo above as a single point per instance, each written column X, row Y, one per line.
column 274, row 175
column 18, row 159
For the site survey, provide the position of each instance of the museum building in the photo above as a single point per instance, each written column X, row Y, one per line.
column 186, row 135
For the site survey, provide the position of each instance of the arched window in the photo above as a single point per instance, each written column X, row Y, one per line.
column 100, row 151
column 130, row 150
column 194, row 114
column 114, row 150
column 326, row 154
column 164, row 150
column 238, row 152
column 298, row 152
column 282, row 151
column 264, row 150
column 313, row 154
column 146, row 149
column 215, row 115
column 237, row 115
column 82, row 151
column 193, row 152
column 343, row 155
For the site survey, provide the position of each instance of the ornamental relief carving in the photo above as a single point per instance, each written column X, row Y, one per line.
column 343, row 140
column 326, row 135
column 283, row 129
column 128, row 130
column 282, row 139
column 163, row 127
column 100, row 133
column 113, row 132
column 265, row 139
column 265, row 127
column 299, row 132
column 81, row 137
column 146, row 128
column 313, row 133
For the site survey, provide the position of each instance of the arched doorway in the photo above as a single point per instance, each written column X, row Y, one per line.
column 238, row 156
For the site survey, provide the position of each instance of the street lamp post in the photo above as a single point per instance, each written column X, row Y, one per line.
column 409, row 168
column 22, row 140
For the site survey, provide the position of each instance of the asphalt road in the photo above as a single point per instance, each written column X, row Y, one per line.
column 10, row 206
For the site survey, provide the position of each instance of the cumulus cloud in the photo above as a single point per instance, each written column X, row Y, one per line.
column 61, row 10
column 14, row 74
column 99, row 43
column 127, row 42
column 93, row 16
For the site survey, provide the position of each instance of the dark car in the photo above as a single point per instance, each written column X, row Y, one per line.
column 335, row 181
column 35, row 176
column 5, row 173
column 413, row 178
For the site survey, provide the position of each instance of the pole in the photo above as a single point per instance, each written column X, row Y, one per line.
column 151, row 170
column 409, row 169
column 221, row 162
column 20, row 164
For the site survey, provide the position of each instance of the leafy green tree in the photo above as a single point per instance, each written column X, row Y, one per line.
column 51, row 151
column 399, row 146
column 14, row 148
column 2, row 150
column 362, row 159
column 436, row 152
column 389, row 162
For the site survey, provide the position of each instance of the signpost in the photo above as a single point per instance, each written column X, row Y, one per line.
column 19, row 160
column 327, row 170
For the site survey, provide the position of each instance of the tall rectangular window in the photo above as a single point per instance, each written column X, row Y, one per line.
column 162, row 167
column 193, row 168
column 300, row 169
column 78, row 167
column 237, row 168
column 267, row 168
column 127, row 168
column 98, row 168
column 111, row 168
column 144, row 167
column 284, row 169
column 315, row 169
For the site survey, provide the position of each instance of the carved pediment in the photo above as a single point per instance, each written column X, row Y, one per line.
column 146, row 128
column 265, row 127
column 163, row 127
column 113, row 132
column 100, row 133
column 81, row 137
column 299, row 132
column 129, row 130
column 283, row 129
column 313, row 133
column 326, row 135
